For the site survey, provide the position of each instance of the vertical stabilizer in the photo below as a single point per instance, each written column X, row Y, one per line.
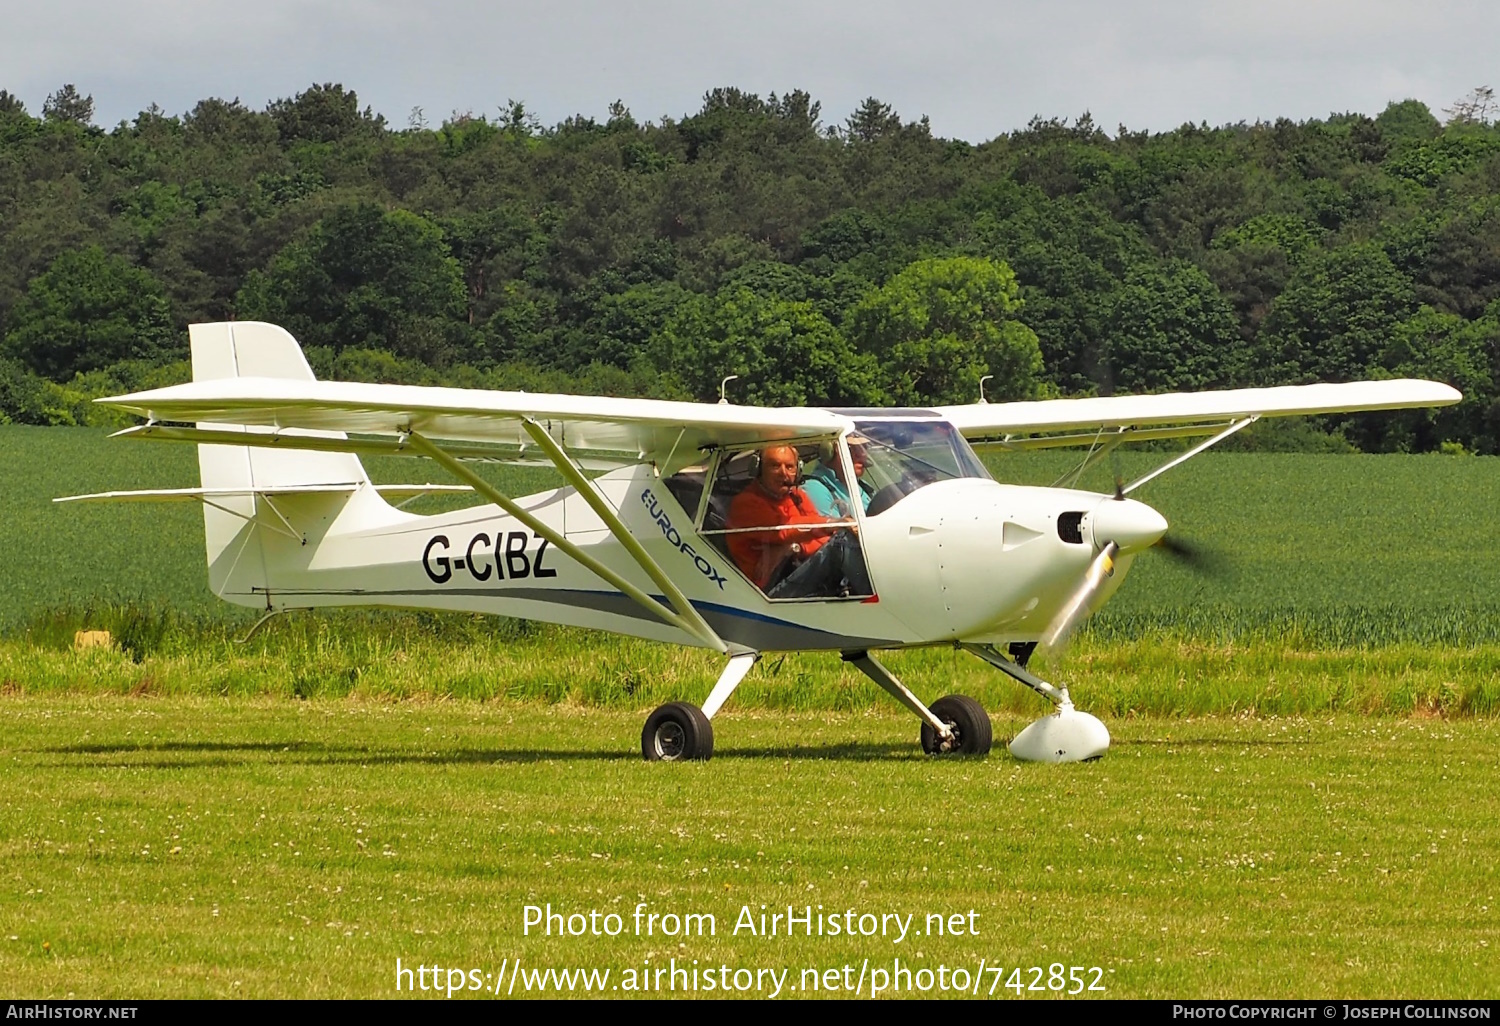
column 237, row 557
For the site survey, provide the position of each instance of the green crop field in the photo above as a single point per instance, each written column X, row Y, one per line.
column 1336, row 582
column 56, row 555
column 1342, row 549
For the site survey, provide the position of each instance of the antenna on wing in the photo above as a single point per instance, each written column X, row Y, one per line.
column 723, row 399
column 982, row 380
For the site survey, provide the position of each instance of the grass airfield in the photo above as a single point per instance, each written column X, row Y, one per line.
column 1301, row 798
column 187, row 846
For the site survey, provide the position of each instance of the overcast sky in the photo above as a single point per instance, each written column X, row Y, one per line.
column 976, row 69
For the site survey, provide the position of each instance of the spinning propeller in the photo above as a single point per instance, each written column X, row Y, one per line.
column 1081, row 604
column 1191, row 555
column 1123, row 527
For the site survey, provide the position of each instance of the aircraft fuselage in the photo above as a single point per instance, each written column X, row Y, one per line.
column 959, row 560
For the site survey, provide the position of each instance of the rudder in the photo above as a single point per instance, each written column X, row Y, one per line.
column 250, row 349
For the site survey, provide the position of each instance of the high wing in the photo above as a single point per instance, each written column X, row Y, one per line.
column 1032, row 425
column 496, row 423
column 478, row 422
column 1106, row 422
column 456, row 425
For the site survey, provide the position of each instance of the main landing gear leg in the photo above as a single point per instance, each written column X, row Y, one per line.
column 734, row 672
column 1067, row 735
column 678, row 731
column 954, row 723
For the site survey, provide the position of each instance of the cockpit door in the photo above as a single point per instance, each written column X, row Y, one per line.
column 787, row 517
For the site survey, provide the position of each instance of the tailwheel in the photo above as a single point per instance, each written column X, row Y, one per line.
column 677, row 732
column 969, row 723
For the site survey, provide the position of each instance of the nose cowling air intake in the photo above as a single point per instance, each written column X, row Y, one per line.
column 1118, row 528
column 1131, row 525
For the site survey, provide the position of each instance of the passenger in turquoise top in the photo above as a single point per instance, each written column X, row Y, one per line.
column 825, row 485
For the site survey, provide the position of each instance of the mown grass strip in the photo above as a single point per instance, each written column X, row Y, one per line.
column 201, row 847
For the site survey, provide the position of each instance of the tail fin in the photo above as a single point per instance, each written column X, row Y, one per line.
column 236, row 547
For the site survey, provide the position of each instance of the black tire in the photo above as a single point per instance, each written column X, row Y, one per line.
column 968, row 721
column 677, row 732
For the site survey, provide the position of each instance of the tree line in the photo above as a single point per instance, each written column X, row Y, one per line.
column 862, row 263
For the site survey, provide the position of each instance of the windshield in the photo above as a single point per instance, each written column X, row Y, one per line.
column 904, row 455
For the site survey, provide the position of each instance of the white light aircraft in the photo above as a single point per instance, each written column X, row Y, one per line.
column 683, row 522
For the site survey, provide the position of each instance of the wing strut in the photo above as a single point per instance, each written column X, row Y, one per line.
column 1243, row 422
column 696, row 626
column 1096, row 453
column 570, row 470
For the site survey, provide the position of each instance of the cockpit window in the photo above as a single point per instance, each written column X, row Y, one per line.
column 785, row 515
column 904, row 455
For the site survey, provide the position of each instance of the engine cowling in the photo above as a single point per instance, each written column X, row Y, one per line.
column 968, row 558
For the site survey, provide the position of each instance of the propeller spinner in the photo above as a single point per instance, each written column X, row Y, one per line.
column 1120, row 526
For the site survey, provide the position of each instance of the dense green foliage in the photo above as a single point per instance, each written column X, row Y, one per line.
column 940, row 325
column 863, row 262
column 88, row 311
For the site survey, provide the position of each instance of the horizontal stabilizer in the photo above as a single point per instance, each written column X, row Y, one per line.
column 398, row 491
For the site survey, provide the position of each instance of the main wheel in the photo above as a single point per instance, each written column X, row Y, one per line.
column 676, row 732
column 969, row 722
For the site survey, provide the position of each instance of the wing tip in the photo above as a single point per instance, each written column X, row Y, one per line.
column 1450, row 395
